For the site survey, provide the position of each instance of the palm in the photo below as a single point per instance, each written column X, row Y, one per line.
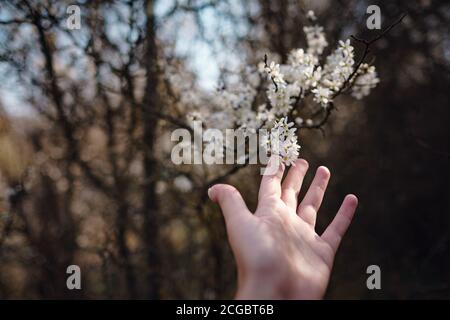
column 279, row 239
column 310, row 258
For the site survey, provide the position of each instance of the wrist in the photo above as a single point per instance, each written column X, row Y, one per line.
column 273, row 286
column 254, row 288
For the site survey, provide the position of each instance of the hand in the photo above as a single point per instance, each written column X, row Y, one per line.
column 278, row 253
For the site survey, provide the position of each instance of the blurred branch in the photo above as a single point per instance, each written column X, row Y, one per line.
column 13, row 21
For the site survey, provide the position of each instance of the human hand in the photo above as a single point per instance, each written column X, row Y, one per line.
column 278, row 253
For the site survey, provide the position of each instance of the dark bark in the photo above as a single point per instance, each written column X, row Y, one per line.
column 151, row 103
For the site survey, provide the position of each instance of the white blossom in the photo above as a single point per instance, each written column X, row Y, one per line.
column 302, row 69
column 315, row 37
column 366, row 80
column 182, row 183
column 322, row 95
column 281, row 99
column 273, row 71
column 311, row 16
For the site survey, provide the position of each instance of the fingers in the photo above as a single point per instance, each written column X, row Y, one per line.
column 307, row 210
column 337, row 228
column 230, row 201
column 293, row 182
column 271, row 180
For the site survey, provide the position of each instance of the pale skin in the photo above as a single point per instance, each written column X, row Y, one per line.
column 278, row 253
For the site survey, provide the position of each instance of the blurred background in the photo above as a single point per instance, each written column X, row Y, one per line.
column 85, row 122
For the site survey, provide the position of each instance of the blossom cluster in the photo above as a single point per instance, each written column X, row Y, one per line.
column 306, row 73
column 366, row 81
column 282, row 140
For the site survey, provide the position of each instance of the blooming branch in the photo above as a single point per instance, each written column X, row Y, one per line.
column 306, row 81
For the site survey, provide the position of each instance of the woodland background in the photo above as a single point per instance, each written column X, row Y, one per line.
column 85, row 171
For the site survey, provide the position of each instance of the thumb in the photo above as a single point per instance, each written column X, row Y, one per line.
column 229, row 200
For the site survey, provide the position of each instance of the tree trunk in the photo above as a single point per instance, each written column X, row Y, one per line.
column 149, row 106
